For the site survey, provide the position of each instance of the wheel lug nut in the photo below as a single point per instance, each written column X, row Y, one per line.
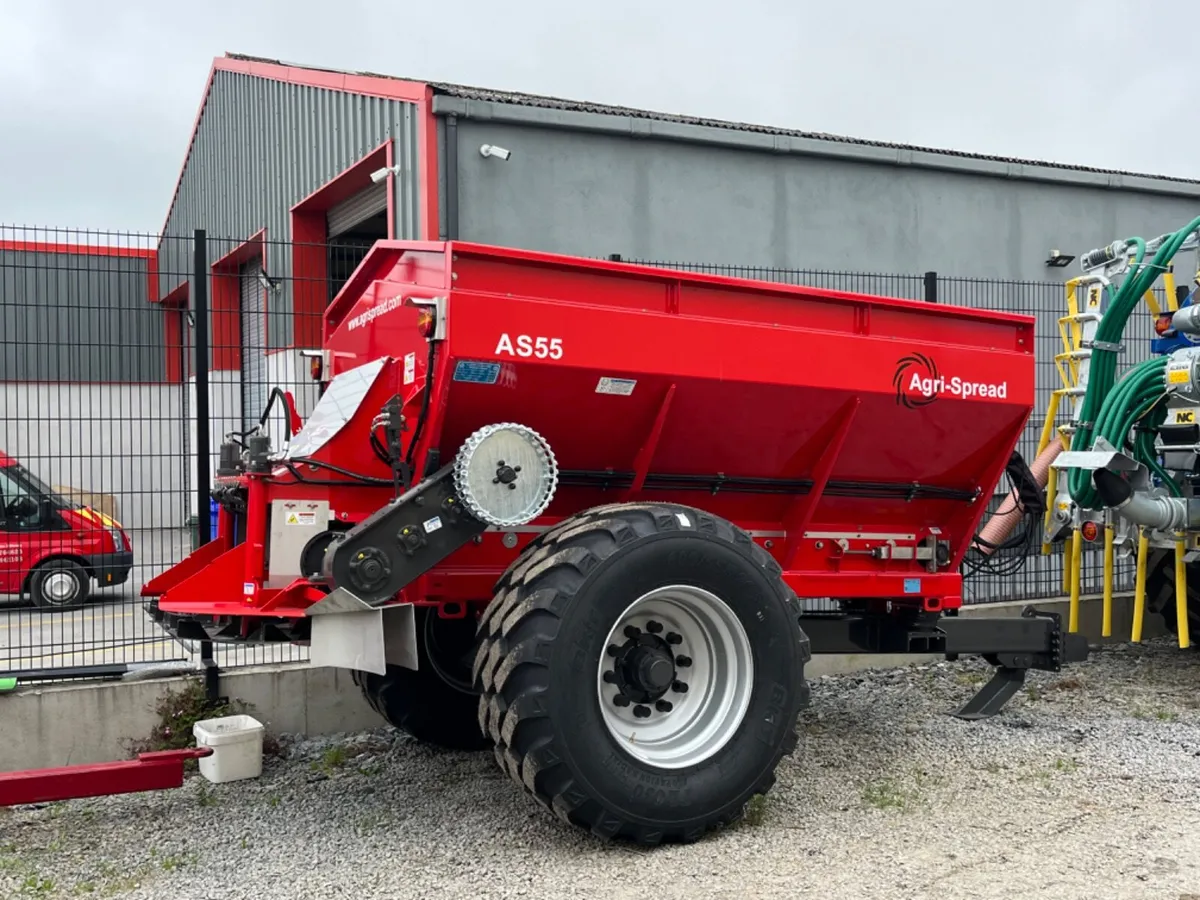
column 613, row 650
column 620, row 700
column 683, row 661
column 664, row 706
column 610, row 677
column 673, row 638
column 641, row 712
column 632, row 632
column 654, row 627
column 679, row 687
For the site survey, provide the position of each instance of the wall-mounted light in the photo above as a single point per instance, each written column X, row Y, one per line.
column 267, row 283
column 380, row 174
column 1059, row 260
column 493, row 150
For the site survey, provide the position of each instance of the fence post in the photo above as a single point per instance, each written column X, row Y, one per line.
column 931, row 287
column 199, row 295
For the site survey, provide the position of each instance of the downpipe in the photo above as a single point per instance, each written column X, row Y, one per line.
column 1156, row 513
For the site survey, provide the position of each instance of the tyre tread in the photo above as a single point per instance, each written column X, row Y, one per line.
column 513, row 657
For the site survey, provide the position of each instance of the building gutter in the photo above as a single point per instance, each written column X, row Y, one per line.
column 788, row 145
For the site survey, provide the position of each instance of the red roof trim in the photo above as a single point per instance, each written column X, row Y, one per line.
column 391, row 88
column 77, row 249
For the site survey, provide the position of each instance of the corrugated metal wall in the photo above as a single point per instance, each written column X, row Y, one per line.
column 260, row 148
column 78, row 317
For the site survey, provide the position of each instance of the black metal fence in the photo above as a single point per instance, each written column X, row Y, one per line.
column 106, row 408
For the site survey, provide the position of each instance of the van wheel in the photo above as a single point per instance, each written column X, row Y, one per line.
column 643, row 678
column 59, row 584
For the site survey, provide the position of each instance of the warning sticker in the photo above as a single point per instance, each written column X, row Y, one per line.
column 301, row 518
column 432, row 525
column 1177, row 376
column 622, row 386
column 1185, row 417
column 476, row 372
column 410, row 368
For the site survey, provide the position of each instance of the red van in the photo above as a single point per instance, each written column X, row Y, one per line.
column 52, row 548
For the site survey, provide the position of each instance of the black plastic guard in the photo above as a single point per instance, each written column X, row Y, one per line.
column 398, row 543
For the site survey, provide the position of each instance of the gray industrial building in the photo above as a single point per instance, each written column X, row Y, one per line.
column 279, row 170
column 596, row 180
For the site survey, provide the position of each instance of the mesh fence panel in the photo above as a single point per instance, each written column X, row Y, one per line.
column 99, row 407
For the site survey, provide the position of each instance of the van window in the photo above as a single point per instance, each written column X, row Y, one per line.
column 12, row 489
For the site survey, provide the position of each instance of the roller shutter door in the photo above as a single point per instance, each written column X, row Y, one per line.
column 254, row 345
column 353, row 210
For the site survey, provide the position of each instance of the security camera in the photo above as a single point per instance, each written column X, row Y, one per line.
column 380, row 174
column 493, row 150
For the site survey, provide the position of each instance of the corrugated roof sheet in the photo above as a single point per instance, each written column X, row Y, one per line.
column 535, row 100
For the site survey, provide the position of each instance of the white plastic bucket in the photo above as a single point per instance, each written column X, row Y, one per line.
column 237, row 743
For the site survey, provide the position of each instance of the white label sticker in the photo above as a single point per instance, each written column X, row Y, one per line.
column 683, row 520
column 248, row 588
column 301, row 518
column 410, row 368
column 432, row 525
column 621, row 386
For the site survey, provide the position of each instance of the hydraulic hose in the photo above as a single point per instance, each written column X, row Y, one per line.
column 1104, row 411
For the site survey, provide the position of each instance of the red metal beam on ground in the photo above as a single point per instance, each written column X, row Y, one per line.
column 149, row 772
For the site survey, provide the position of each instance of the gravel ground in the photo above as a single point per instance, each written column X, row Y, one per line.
column 1088, row 785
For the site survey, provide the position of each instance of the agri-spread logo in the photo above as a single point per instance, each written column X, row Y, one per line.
column 918, row 383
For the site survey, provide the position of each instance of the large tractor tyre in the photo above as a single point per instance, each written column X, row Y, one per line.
column 642, row 672
column 436, row 703
column 59, row 584
column 1160, row 592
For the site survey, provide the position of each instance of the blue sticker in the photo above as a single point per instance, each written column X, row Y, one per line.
column 477, row 372
column 912, row 585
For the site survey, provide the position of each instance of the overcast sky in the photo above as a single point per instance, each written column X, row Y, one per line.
column 97, row 100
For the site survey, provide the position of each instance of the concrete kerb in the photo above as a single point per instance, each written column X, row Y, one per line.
column 85, row 723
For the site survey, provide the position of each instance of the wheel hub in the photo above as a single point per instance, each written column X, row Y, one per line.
column 644, row 667
column 60, row 587
column 680, row 664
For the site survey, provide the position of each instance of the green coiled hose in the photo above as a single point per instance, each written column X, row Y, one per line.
column 1113, row 412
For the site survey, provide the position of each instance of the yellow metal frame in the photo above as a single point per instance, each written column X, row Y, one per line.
column 1070, row 330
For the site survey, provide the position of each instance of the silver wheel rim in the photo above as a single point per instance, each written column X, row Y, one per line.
column 716, row 670
column 60, row 587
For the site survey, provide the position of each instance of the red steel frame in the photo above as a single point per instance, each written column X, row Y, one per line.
column 819, row 398
column 156, row 771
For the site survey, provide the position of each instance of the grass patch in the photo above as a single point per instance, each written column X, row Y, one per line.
column 756, row 810
column 1155, row 713
column 1066, row 765
column 36, row 885
column 205, row 795
column 889, row 794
